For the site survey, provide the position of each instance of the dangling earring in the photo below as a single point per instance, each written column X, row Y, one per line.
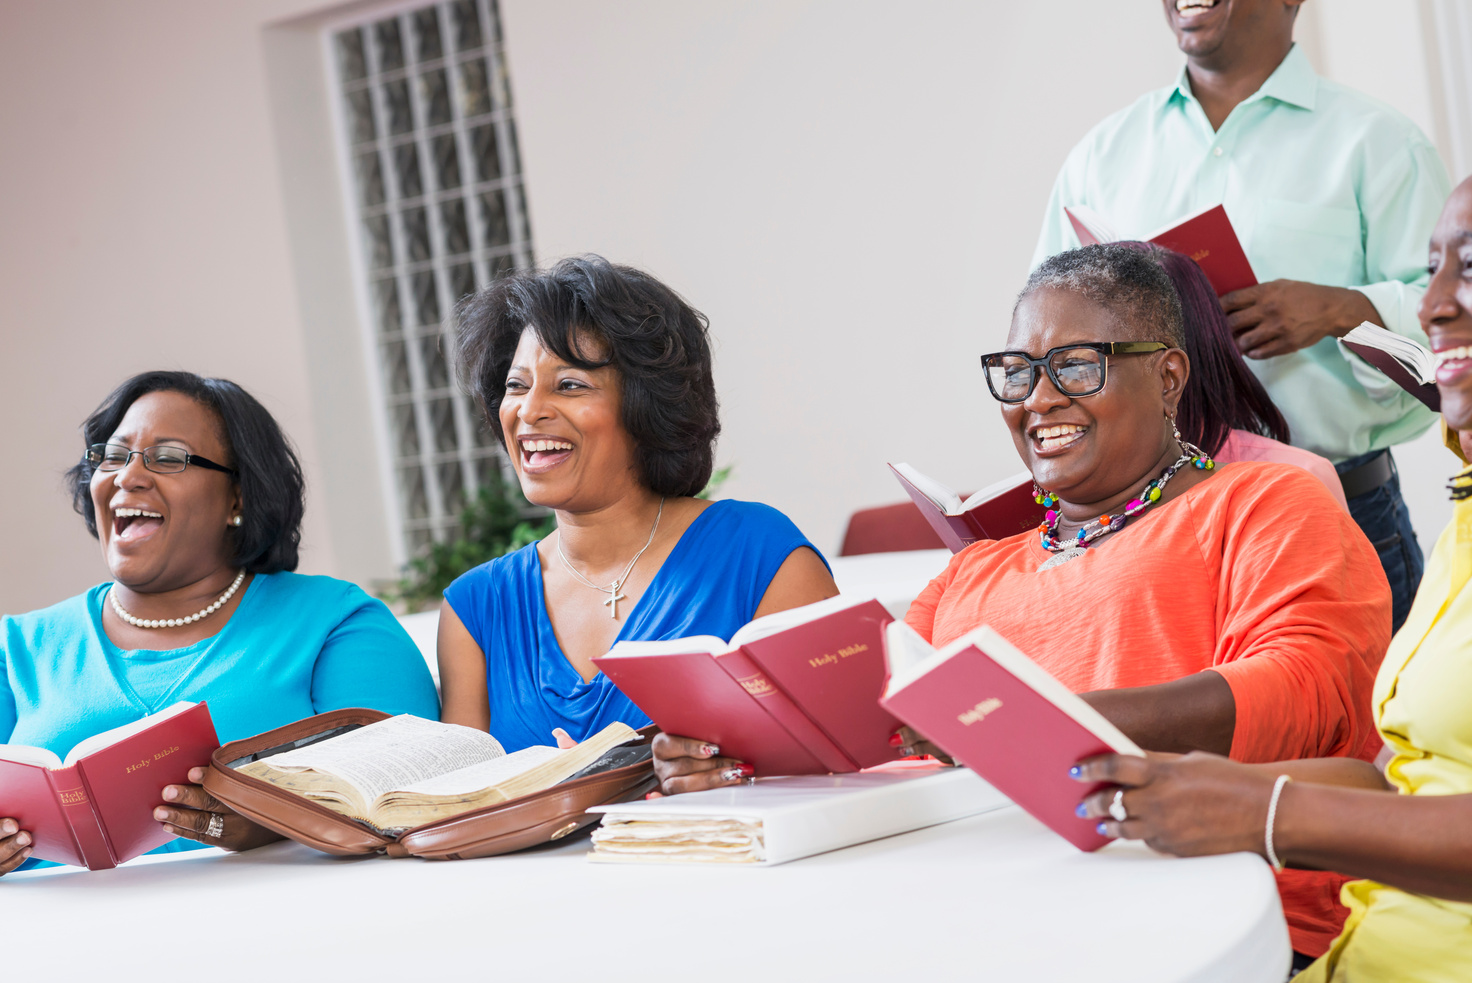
column 1200, row 460
column 235, row 520
column 1043, row 497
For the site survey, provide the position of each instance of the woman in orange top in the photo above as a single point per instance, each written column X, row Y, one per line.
column 1230, row 608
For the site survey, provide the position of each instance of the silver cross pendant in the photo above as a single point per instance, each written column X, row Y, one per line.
column 613, row 598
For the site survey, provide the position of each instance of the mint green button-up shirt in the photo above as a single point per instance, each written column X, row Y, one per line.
column 1322, row 184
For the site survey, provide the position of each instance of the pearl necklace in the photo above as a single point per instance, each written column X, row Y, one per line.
column 612, row 590
column 176, row 622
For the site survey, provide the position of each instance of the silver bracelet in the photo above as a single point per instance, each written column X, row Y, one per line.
column 1272, row 815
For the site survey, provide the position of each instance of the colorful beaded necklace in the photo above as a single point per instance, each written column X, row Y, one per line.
column 1105, row 524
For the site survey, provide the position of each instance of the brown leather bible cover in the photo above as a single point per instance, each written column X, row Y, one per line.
column 514, row 825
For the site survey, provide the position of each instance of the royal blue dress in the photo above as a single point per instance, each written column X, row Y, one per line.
column 711, row 584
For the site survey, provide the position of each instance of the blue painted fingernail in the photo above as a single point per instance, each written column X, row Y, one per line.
column 1075, row 772
column 1100, row 830
column 1080, row 811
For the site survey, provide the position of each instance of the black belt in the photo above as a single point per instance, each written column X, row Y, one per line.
column 1368, row 476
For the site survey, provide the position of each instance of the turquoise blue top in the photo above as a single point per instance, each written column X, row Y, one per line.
column 1322, row 184
column 711, row 584
column 295, row 646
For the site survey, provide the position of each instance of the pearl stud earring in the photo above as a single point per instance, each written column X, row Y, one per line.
column 235, row 521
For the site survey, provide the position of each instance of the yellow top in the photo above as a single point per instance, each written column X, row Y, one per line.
column 1423, row 707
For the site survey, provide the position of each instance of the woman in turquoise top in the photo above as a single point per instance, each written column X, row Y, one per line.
column 196, row 499
column 597, row 380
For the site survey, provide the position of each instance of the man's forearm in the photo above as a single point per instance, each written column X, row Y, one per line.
column 1357, row 309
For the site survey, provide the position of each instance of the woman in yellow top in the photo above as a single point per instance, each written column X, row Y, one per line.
column 1411, row 918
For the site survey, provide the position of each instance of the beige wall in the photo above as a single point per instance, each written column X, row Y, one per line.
column 849, row 189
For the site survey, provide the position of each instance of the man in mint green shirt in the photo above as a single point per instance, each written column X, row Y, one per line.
column 1333, row 196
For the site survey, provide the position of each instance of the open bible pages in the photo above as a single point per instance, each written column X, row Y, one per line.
column 110, row 737
column 940, row 496
column 482, row 775
column 772, row 624
column 372, row 760
column 906, row 652
column 995, row 489
column 27, row 755
column 477, row 786
column 1415, row 357
column 668, row 646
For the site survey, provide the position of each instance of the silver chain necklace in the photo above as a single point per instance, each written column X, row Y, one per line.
column 612, row 590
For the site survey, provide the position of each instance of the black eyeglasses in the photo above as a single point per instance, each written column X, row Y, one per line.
column 160, row 460
column 1076, row 370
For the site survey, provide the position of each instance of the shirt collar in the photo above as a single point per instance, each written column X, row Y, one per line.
column 1293, row 82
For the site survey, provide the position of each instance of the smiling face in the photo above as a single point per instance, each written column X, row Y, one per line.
column 1446, row 309
column 1090, row 449
column 164, row 531
column 564, row 431
column 1216, row 31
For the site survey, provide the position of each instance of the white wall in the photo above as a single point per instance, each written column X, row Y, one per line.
column 849, row 189
column 140, row 228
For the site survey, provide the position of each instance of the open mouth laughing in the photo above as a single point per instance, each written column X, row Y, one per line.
column 132, row 524
column 1453, row 363
column 540, row 453
column 1046, row 439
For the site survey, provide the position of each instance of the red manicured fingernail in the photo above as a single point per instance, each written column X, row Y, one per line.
column 709, row 750
column 746, row 770
column 654, row 795
column 896, row 740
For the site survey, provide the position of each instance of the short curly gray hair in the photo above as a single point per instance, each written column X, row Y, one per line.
column 1125, row 280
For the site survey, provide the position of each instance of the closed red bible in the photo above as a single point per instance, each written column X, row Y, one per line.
column 95, row 809
column 1207, row 237
column 794, row 693
column 999, row 510
column 1006, row 718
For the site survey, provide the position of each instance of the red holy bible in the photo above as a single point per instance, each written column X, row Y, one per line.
column 1408, row 364
column 999, row 510
column 95, row 809
column 1207, row 237
column 1006, row 718
column 794, row 693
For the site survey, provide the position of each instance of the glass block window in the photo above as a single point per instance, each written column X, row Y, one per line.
column 439, row 209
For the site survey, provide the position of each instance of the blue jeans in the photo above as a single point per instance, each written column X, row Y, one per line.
column 1382, row 515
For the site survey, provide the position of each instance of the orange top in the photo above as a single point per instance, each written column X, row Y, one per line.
column 1255, row 573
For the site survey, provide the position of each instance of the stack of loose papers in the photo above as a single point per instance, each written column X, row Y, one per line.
column 781, row 819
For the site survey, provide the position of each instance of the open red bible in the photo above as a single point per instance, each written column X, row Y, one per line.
column 1006, row 718
column 793, row 693
column 95, row 808
column 1207, row 237
column 999, row 510
column 1409, row 365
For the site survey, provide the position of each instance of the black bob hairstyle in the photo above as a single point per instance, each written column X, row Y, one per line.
column 592, row 313
column 272, row 491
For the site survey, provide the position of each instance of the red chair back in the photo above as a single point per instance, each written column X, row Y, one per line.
column 888, row 529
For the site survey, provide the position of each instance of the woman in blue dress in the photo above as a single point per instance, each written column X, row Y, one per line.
column 196, row 499
column 597, row 380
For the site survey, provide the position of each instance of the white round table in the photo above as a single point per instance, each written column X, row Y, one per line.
column 993, row 897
